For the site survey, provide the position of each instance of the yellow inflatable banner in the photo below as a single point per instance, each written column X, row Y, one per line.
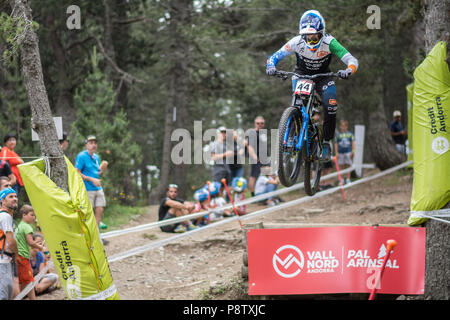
column 431, row 136
column 409, row 100
column 68, row 223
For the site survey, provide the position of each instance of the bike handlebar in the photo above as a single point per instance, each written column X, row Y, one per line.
column 285, row 74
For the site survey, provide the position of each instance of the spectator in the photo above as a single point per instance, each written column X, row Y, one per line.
column 64, row 142
column 239, row 184
column 5, row 171
column 217, row 202
column 172, row 207
column 24, row 237
column 8, row 244
column 7, row 153
column 397, row 131
column 5, row 182
column 327, row 168
column 39, row 259
column 261, row 141
column 222, row 154
column 267, row 182
column 202, row 204
column 345, row 147
column 236, row 168
column 88, row 165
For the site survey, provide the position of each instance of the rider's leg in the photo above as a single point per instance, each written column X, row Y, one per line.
column 330, row 109
column 327, row 90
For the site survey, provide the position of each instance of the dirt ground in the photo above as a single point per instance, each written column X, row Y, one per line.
column 207, row 265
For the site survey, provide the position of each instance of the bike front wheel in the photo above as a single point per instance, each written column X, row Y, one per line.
column 313, row 167
column 289, row 159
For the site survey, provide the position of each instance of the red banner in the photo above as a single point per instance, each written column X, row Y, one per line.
column 335, row 260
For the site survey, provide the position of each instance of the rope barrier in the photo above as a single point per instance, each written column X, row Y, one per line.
column 258, row 198
column 434, row 214
column 31, row 285
column 163, row 242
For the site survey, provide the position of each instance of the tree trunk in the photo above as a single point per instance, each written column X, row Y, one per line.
column 381, row 145
column 178, row 82
column 437, row 23
column 42, row 121
column 437, row 270
column 64, row 102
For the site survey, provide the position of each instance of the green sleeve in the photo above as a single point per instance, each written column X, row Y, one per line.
column 337, row 48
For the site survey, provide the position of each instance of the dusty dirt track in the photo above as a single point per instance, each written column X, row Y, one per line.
column 208, row 264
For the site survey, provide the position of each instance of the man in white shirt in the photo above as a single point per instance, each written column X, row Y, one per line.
column 267, row 182
column 8, row 245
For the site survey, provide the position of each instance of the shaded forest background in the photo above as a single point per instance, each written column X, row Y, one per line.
column 138, row 69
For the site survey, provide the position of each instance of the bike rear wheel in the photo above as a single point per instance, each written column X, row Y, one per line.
column 313, row 167
column 289, row 159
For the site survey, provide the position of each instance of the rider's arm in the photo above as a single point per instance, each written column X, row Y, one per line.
column 286, row 50
column 337, row 49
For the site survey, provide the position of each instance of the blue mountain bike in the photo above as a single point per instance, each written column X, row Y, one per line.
column 300, row 137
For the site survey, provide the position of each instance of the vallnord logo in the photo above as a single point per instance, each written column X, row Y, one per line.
column 292, row 255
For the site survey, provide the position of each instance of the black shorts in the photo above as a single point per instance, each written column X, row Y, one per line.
column 327, row 165
column 170, row 227
column 255, row 170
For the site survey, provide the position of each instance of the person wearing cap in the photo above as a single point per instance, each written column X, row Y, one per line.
column 8, row 154
column 8, row 244
column 64, row 142
column 257, row 140
column 222, row 153
column 88, row 165
column 397, row 131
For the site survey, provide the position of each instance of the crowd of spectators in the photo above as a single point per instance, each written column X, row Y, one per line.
column 227, row 185
column 23, row 253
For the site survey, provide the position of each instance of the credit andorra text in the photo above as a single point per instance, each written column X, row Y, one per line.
column 230, row 309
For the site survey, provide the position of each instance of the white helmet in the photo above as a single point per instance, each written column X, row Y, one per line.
column 312, row 22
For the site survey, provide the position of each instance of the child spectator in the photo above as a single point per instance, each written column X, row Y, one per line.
column 24, row 238
column 267, row 182
column 345, row 147
column 202, row 204
column 217, row 201
column 239, row 184
column 38, row 260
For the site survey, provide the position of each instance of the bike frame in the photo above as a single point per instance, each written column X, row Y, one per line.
column 303, row 134
column 305, row 110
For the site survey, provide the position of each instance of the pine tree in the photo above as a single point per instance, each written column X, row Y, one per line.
column 94, row 101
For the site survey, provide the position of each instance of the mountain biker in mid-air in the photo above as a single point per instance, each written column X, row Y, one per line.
column 313, row 49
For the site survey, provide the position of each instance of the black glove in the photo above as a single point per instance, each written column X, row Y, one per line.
column 344, row 74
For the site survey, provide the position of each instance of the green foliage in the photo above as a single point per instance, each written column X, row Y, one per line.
column 12, row 32
column 116, row 215
column 97, row 115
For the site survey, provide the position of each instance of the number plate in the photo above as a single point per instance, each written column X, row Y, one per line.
column 304, row 87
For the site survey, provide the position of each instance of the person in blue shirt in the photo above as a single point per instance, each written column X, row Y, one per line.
column 345, row 147
column 88, row 165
